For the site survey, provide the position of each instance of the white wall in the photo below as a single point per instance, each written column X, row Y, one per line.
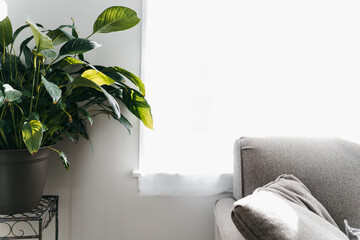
column 98, row 196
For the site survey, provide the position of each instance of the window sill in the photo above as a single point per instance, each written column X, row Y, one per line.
column 182, row 184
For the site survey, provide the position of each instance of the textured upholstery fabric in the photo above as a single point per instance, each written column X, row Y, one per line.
column 329, row 167
column 291, row 188
column 265, row 215
column 225, row 229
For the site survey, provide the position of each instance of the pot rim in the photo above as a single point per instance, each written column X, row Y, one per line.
column 23, row 149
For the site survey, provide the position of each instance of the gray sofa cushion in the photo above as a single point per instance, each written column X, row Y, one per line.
column 329, row 167
column 284, row 210
column 224, row 227
column 291, row 188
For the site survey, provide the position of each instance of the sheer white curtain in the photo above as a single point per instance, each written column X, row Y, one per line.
column 218, row 70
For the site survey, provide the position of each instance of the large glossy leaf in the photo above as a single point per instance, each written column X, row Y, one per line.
column 138, row 105
column 84, row 82
column 115, row 19
column 11, row 94
column 28, row 57
column 20, row 29
column 97, row 77
column 48, row 53
column 24, row 44
column 59, row 36
column 5, row 32
column 41, row 40
column 32, row 132
column 78, row 46
column 113, row 103
column 112, row 73
column 133, row 78
column 53, row 90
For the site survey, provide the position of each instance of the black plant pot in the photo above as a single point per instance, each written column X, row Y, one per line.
column 22, row 179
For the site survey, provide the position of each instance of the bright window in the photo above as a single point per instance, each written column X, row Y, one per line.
column 219, row 70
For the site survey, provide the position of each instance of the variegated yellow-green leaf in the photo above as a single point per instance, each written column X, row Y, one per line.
column 138, row 105
column 97, row 77
column 52, row 89
column 70, row 61
column 114, row 19
column 84, row 82
column 41, row 40
column 32, row 133
column 11, row 94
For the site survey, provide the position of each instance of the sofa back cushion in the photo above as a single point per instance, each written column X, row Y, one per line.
column 329, row 167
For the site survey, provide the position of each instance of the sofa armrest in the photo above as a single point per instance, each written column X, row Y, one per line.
column 224, row 226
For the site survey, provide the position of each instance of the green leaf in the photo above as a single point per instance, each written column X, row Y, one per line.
column 125, row 123
column 78, row 46
column 86, row 114
column 115, row 19
column 68, row 61
column 71, row 61
column 113, row 103
column 34, row 116
column 11, row 94
column 6, row 126
column 74, row 31
column 32, row 133
column 62, row 156
column 83, row 82
column 5, row 32
column 24, row 44
column 64, row 160
column 48, row 53
column 20, row 29
column 134, row 79
column 2, row 98
column 52, row 89
column 59, row 36
column 41, row 40
column 97, row 77
column 28, row 57
column 138, row 105
column 112, row 73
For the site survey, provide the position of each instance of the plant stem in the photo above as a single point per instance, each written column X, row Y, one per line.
column 16, row 69
column 33, row 83
column 38, row 89
column 14, row 125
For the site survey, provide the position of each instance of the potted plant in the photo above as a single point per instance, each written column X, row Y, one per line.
column 49, row 91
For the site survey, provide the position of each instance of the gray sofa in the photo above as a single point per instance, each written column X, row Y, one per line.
column 329, row 167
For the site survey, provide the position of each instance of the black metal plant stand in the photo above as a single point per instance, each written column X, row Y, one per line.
column 30, row 225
